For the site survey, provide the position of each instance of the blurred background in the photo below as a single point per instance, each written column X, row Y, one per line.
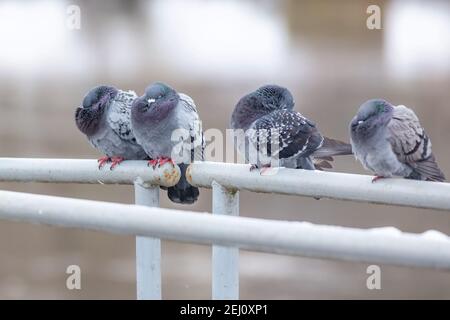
column 216, row 51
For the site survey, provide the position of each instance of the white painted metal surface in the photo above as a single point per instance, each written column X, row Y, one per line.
column 145, row 179
column 226, row 232
column 84, row 171
column 235, row 176
column 385, row 246
column 334, row 185
column 148, row 250
column 225, row 260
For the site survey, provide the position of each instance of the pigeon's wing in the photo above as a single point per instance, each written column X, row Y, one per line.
column 197, row 139
column 285, row 134
column 119, row 113
column 188, row 104
column 411, row 144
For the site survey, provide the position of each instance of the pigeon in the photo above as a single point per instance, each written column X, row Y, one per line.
column 390, row 141
column 167, row 125
column 271, row 129
column 104, row 117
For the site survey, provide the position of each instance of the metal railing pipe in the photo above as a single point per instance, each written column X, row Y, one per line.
column 225, row 260
column 321, row 184
column 148, row 249
column 85, row 171
column 385, row 246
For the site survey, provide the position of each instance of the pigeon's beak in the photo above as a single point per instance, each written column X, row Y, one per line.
column 151, row 100
column 356, row 123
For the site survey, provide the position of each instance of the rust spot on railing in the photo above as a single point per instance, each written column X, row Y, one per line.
column 189, row 174
column 170, row 174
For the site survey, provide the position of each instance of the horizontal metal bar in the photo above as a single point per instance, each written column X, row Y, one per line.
column 85, row 171
column 402, row 192
column 343, row 186
column 386, row 245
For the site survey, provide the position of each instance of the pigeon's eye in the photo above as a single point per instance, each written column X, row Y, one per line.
column 160, row 96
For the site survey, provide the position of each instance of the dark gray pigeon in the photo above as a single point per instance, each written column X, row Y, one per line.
column 167, row 125
column 390, row 141
column 104, row 118
column 273, row 130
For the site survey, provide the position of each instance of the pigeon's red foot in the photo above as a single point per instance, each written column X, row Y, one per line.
column 115, row 162
column 165, row 160
column 158, row 162
column 265, row 169
column 102, row 161
column 153, row 163
column 376, row 178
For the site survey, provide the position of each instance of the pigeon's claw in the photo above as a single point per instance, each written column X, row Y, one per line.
column 162, row 161
column 264, row 169
column 102, row 161
column 153, row 163
column 115, row 162
column 376, row 178
column 158, row 162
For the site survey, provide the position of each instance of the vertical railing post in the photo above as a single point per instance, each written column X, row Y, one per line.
column 148, row 250
column 225, row 260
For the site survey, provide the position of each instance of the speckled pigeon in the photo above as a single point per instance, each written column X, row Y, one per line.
column 104, row 118
column 273, row 130
column 167, row 125
column 390, row 141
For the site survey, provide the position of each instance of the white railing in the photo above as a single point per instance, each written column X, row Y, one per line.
column 321, row 184
column 226, row 232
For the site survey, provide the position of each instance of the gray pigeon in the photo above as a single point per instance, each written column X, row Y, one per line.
column 390, row 141
column 273, row 130
column 104, row 118
column 167, row 125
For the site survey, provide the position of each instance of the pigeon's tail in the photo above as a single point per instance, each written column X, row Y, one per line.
column 428, row 170
column 183, row 192
column 332, row 147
